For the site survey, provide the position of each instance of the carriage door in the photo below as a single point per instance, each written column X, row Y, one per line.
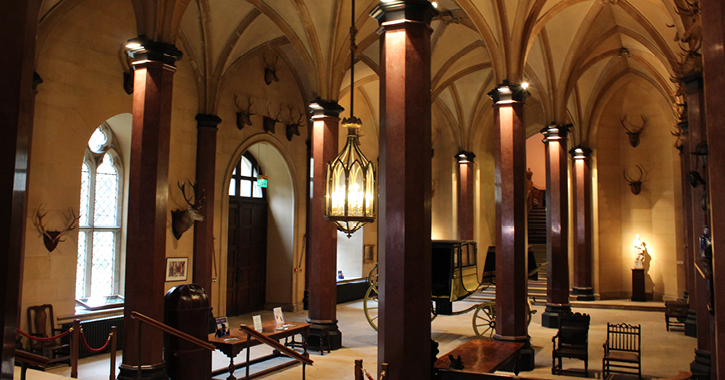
column 247, row 254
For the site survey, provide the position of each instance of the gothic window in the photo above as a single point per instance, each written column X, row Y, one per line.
column 244, row 179
column 98, row 268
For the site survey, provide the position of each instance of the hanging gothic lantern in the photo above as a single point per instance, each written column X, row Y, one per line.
column 350, row 199
column 350, row 189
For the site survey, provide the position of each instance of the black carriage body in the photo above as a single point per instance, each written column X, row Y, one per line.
column 454, row 269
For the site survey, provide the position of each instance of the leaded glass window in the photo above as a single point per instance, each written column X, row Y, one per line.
column 244, row 179
column 98, row 267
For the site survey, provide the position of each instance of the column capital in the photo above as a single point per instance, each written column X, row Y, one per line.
column 508, row 93
column 580, row 152
column 143, row 50
column 207, row 120
column 555, row 132
column 465, row 157
column 399, row 11
column 320, row 107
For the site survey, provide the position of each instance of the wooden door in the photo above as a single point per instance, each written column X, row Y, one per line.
column 247, row 258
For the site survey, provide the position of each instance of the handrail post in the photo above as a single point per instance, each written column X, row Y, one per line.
column 74, row 348
column 358, row 369
column 138, row 375
column 249, row 340
column 114, row 333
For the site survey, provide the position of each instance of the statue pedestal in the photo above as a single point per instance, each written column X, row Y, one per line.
column 638, row 293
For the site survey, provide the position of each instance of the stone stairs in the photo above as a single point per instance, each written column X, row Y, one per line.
column 536, row 286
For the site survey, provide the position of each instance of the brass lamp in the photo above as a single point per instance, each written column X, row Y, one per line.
column 350, row 193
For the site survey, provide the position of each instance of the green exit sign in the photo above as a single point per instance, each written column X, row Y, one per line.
column 262, row 181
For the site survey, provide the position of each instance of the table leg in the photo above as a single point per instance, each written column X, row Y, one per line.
column 231, row 370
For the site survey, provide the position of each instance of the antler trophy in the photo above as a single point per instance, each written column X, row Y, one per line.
column 635, row 185
column 182, row 220
column 51, row 238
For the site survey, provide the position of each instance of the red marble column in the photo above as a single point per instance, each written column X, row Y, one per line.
column 19, row 20
column 582, row 223
column 511, row 269
column 713, row 36
column 322, row 236
column 557, row 222
column 205, row 178
column 465, row 195
column 404, row 340
column 154, row 65
column 687, row 235
column 697, row 133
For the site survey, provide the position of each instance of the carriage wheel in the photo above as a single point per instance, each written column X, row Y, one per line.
column 370, row 304
column 484, row 320
column 373, row 277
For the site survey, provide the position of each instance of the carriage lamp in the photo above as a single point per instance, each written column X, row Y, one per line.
column 350, row 193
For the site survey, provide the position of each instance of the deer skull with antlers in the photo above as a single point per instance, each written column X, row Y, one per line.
column 293, row 127
column 270, row 69
column 182, row 220
column 635, row 185
column 51, row 238
column 634, row 134
column 244, row 116
column 268, row 122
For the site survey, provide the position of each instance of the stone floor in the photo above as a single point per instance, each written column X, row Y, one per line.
column 664, row 354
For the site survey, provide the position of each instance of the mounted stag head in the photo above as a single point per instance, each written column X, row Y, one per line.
column 51, row 238
column 268, row 122
column 293, row 127
column 635, row 185
column 634, row 134
column 270, row 68
column 244, row 116
column 182, row 220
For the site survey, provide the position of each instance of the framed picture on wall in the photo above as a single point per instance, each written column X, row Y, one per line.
column 176, row 268
column 369, row 253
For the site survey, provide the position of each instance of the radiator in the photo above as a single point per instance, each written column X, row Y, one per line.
column 96, row 332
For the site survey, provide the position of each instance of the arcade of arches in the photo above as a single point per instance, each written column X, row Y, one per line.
column 220, row 92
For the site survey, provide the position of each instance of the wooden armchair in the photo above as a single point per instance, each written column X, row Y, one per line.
column 622, row 350
column 41, row 323
column 571, row 341
column 678, row 311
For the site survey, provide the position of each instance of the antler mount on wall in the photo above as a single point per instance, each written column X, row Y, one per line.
column 51, row 238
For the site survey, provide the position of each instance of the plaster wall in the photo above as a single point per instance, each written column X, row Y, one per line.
column 653, row 213
column 285, row 285
column 82, row 88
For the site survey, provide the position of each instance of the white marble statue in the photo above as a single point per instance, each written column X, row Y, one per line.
column 640, row 248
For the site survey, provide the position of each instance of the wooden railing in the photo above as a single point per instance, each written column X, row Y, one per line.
column 28, row 360
column 276, row 345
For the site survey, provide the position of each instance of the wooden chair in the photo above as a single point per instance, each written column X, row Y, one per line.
column 571, row 341
column 622, row 350
column 678, row 311
column 41, row 323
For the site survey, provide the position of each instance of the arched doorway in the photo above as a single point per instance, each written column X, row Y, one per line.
column 247, row 239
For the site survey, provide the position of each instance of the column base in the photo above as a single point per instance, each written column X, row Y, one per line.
column 583, row 293
column 148, row 372
column 691, row 323
column 526, row 358
column 550, row 317
column 317, row 340
column 700, row 368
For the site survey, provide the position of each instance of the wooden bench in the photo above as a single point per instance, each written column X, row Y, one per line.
column 678, row 311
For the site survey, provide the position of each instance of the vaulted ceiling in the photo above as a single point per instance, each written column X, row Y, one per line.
column 573, row 52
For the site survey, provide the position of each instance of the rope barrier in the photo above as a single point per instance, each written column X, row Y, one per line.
column 44, row 339
column 95, row 350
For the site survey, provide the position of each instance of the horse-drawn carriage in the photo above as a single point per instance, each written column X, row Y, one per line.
column 455, row 276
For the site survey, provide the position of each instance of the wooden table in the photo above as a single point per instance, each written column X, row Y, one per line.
column 479, row 357
column 237, row 341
